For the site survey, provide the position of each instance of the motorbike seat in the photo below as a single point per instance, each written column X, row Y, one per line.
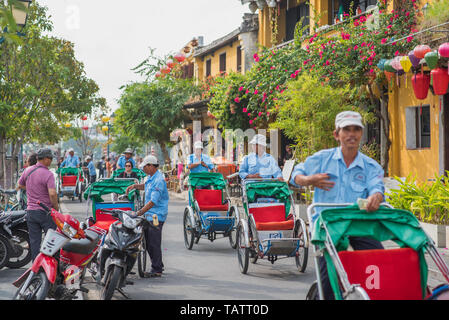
column 16, row 215
column 83, row 246
column 8, row 192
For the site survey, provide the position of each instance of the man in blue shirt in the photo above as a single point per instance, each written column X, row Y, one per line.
column 342, row 175
column 259, row 164
column 156, row 203
column 91, row 168
column 197, row 161
column 128, row 154
column 71, row 161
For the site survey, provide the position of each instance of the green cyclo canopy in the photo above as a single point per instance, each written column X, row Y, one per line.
column 103, row 187
column 272, row 189
column 69, row 170
column 140, row 173
column 214, row 179
column 400, row 226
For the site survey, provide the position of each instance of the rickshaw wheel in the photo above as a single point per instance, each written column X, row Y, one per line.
column 189, row 233
column 233, row 233
column 303, row 252
column 312, row 294
column 253, row 240
column 242, row 251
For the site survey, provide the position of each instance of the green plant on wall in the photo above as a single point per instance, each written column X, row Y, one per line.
column 428, row 201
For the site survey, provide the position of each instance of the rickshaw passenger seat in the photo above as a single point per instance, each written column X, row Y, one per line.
column 210, row 200
column 389, row 274
column 69, row 181
column 271, row 217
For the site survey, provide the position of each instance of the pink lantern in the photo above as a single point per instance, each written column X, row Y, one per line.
column 180, row 57
column 158, row 74
column 170, row 63
column 443, row 50
column 85, row 128
column 165, row 70
column 396, row 63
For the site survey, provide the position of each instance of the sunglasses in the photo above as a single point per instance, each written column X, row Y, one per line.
column 128, row 165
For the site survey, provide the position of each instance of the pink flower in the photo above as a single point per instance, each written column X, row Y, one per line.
column 247, row 91
column 245, row 110
column 249, row 114
column 409, row 39
column 260, row 113
column 250, row 121
column 237, row 99
column 383, row 41
column 389, row 26
column 241, row 88
column 256, row 91
column 396, row 53
column 256, row 57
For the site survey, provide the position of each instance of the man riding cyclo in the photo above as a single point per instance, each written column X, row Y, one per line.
column 71, row 161
column 199, row 162
column 259, row 164
column 343, row 175
column 128, row 156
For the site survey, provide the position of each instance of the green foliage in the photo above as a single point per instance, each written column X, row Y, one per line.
column 428, row 201
column 437, row 13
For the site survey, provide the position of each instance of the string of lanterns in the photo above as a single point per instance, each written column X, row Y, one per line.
column 170, row 64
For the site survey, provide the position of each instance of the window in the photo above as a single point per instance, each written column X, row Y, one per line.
column 293, row 16
column 338, row 7
column 223, row 62
column 239, row 59
column 417, row 127
column 208, row 67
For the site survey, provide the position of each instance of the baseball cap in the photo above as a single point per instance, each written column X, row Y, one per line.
column 198, row 145
column 259, row 139
column 44, row 153
column 128, row 150
column 348, row 118
column 148, row 160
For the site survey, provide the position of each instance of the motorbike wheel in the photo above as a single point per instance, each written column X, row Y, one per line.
column 5, row 250
column 142, row 259
column 20, row 254
column 37, row 288
column 189, row 232
column 111, row 283
column 233, row 233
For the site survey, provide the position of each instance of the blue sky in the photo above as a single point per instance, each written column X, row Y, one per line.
column 113, row 36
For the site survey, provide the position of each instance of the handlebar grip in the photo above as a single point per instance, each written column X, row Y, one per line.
column 44, row 206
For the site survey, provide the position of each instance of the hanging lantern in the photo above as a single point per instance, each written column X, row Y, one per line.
column 210, row 115
column 443, row 50
column 381, row 64
column 84, row 118
column 413, row 59
column 67, row 125
column 421, row 84
column 105, row 118
column 388, row 67
column 85, row 128
column 388, row 75
column 165, row 70
column 105, row 128
column 396, row 63
column 170, row 63
column 440, row 81
column 405, row 63
column 431, row 59
column 421, row 50
column 158, row 74
column 180, row 57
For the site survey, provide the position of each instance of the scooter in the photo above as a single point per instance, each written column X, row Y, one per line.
column 58, row 271
column 119, row 252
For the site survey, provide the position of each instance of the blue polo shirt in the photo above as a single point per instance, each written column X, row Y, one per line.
column 122, row 161
column 266, row 166
column 363, row 177
column 193, row 159
column 156, row 192
column 91, row 167
column 71, row 162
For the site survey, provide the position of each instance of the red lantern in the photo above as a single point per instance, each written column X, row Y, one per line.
column 170, row 63
column 165, row 70
column 388, row 75
column 421, row 84
column 210, row 115
column 440, row 81
column 180, row 57
column 84, row 118
column 85, row 128
column 158, row 74
column 421, row 50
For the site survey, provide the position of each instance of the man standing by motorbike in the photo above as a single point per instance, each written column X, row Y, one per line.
column 39, row 183
column 156, row 203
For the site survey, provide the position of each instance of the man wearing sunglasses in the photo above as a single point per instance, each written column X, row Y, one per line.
column 39, row 183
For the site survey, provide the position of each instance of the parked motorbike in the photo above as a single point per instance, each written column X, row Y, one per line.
column 119, row 252
column 14, row 228
column 58, row 271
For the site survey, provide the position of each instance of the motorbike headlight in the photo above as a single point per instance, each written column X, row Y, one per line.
column 69, row 230
column 129, row 222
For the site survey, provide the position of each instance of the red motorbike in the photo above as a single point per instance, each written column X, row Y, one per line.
column 58, row 271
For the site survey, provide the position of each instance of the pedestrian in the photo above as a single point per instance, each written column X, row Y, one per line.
column 156, row 203
column 102, row 167
column 343, row 175
column 92, row 172
column 108, row 167
column 39, row 183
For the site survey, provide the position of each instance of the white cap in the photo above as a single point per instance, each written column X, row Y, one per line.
column 148, row 160
column 71, row 150
column 259, row 139
column 88, row 158
column 198, row 145
column 348, row 118
column 128, row 150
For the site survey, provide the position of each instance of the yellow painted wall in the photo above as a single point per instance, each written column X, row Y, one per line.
column 422, row 162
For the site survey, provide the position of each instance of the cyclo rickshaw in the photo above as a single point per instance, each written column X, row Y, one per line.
column 209, row 212
column 394, row 273
column 70, row 183
column 270, row 227
column 109, row 194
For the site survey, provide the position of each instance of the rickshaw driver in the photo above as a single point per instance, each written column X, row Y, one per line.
column 71, row 161
column 259, row 164
column 199, row 162
column 128, row 156
column 342, row 175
